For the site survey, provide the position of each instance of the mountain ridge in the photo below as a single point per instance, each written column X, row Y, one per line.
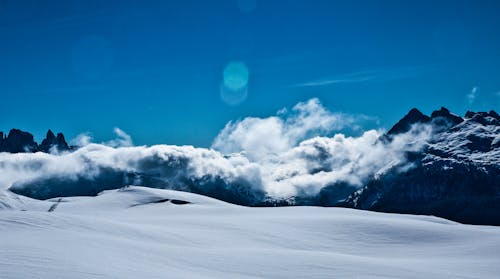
column 457, row 176
column 17, row 141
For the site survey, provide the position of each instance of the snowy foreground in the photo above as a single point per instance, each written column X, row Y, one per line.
column 139, row 232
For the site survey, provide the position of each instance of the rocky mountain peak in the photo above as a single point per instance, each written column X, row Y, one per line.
column 50, row 135
column 443, row 119
column 18, row 141
column 412, row 117
column 444, row 113
column 61, row 142
column 51, row 141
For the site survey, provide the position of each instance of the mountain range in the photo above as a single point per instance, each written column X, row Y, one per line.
column 456, row 175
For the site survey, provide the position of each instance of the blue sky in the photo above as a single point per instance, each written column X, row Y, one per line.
column 156, row 68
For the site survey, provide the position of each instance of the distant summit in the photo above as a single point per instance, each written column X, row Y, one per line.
column 18, row 141
column 52, row 141
column 412, row 117
column 442, row 119
column 445, row 114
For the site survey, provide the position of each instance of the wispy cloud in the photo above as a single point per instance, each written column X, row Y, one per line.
column 356, row 77
column 122, row 140
column 472, row 95
column 375, row 75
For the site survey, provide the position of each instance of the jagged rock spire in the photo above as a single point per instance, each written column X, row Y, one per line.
column 51, row 141
column 412, row 117
column 446, row 114
column 19, row 141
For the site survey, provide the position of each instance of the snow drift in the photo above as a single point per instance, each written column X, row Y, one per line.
column 130, row 233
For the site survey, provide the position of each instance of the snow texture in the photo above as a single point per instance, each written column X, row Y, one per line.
column 138, row 232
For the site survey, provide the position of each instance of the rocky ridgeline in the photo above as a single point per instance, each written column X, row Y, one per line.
column 18, row 141
column 457, row 176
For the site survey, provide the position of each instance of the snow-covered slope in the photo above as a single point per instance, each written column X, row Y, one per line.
column 476, row 140
column 138, row 232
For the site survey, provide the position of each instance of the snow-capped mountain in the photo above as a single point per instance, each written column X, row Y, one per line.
column 457, row 175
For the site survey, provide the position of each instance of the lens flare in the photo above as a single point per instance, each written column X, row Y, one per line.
column 234, row 87
column 233, row 97
column 235, row 75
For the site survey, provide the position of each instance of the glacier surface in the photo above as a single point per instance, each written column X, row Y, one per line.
column 138, row 232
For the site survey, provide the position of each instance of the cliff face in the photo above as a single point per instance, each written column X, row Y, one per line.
column 18, row 141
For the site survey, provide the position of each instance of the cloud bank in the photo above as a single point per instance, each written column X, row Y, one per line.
column 295, row 153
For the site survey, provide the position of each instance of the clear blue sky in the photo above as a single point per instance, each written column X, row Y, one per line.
column 155, row 68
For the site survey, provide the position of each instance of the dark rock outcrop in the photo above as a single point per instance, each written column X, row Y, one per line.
column 18, row 141
column 466, row 193
column 412, row 117
column 51, row 141
column 444, row 113
column 443, row 119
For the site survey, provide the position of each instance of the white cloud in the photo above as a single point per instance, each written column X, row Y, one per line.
column 322, row 161
column 81, row 140
column 263, row 137
column 471, row 97
column 280, row 156
column 122, row 139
